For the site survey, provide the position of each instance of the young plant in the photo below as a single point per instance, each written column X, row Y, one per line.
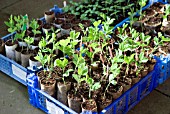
column 145, row 40
column 20, row 36
column 92, row 85
column 96, row 48
column 62, row 64
column 114, row 71
column 159, row 41
column 122, row 29
column 28, row 41
column 142, row 58
column 73, row 41
column 34, row 25
column 82, row 71
column 78, row 58
column 142, row 3
column 64, row 47
column 12, row 28
column 128, row 60
column 42, row 59
column 132, row 18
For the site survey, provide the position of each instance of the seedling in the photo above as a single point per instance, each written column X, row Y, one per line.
column 29, row 41
column 145, row 40
column 92, row 85
column 62, row 64
column 114, row 71
column 42, row 59
column 128, row 60
column 63, row 46
column 82, row 71
column 34, row 25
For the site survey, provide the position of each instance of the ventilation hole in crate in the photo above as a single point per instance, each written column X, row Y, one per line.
column 162, row 66
column 42, row 100
column 121, row 106
column 145, row 87
column 161, row 74
column 133, row 96
column 5, row 66
column 110, row 110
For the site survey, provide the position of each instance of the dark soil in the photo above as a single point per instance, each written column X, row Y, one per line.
column 114, row 88
column 76, row 21
column 47, row 26
column 124, row 80
column 66, row 26
column 149, row 12
column 18, row 49
column 59, row 21
column 86, row 23
column 48, row 81
column 32, row 58
column 38, row 35
column 26, row 52
column 60, row 15
column 77, row 28
column 75, row 96
column 35, row 43
column 70, row 16
column 10, row 43
column 104, row 101
column 49, row 12
column 89, row 105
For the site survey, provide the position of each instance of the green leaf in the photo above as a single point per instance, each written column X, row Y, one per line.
column 66, row 74
column 113, row 82
column 58, row 63
column 131, row 58
column 83, row 70
column 7, row 24
column 114, row 66
column 29, row 40
column 89, row 54
column 90, row 81
column 96, row 86
column 97, row 23
column 166, row 39
column 42, row 44
column 64, row 43
column 144, row 60
column 97, row 50
column 65, row 62
column 126, row 59
column 76, row 77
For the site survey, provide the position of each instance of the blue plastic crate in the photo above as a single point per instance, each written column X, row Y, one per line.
column 123, row 104
column 164, row 61
column 163, row 70
column 12, row 68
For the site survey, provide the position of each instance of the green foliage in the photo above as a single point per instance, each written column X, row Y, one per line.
column 63, row 46
column 29, row 40
column 34, row 25
column 142, row 58
column 43, row 59
column 61, row 63
column 92, row 85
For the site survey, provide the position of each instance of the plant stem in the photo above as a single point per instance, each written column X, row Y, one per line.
column 89, row 93
column 127, row 69
column 106, row 89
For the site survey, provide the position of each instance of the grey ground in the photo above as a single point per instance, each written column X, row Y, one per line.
column 13, row 95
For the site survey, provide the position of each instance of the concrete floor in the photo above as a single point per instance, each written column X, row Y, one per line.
column 13, row 95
